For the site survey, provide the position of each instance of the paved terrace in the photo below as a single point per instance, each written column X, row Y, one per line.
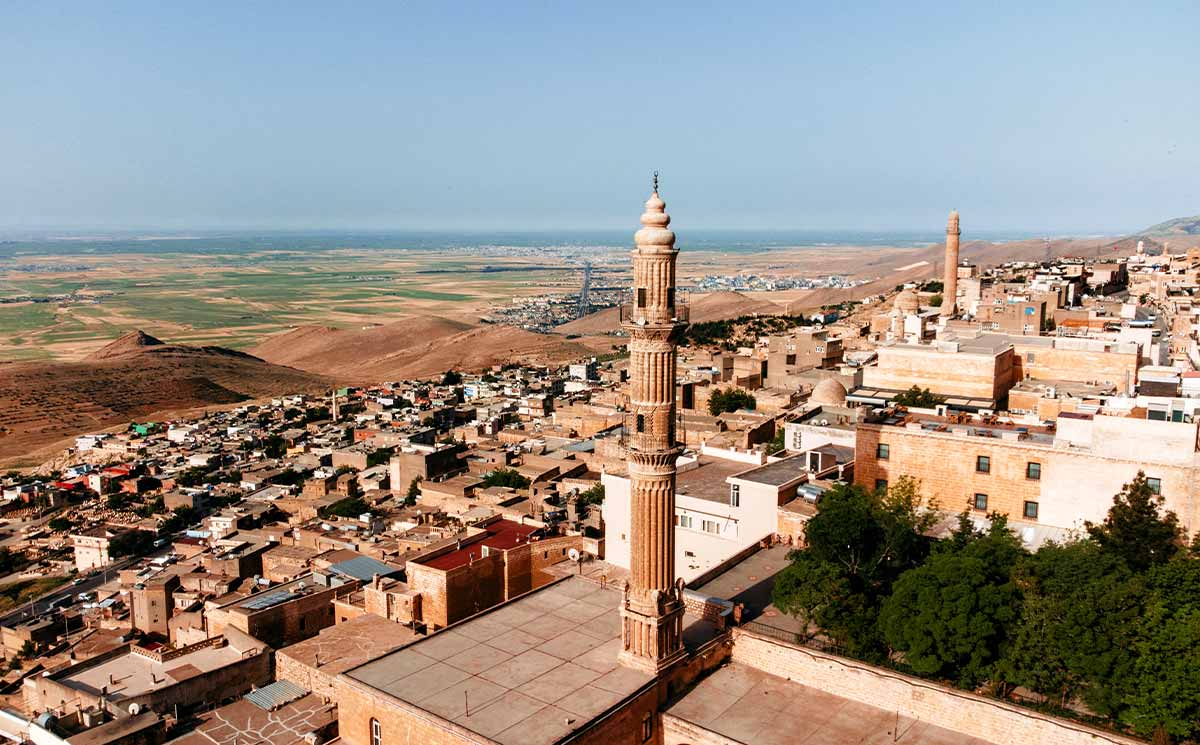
column 750, row 706
column 531, row 670
column 131, row 674
column 751, row 582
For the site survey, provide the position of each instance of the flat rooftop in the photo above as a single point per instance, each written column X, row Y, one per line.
column 350, row 644
column 244, row 722
column 129, row 675
column 500, row 535
column 707, row 480
column 748, row 705
column 532, row 670
column 751, row 582
column 778, row 473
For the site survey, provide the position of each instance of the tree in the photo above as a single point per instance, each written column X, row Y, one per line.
column 776, row 444
column 179, row 519
column 414, row 491
column 117, row 501
column 506, row 477
column 935, row 301
column 274, row 447
column 1077, row 625
column 593, row 495
column 730, row 399
column 919, row 398
column 60, row 524
column 1136, row 529
column 807, row 588
column 347, row 507
column 28, row 651
column 133, row 543
column 452, row 377
column 951, row 615
column 868, row 540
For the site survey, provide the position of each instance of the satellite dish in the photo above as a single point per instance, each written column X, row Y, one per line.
column 135, row 709
column 573, row 554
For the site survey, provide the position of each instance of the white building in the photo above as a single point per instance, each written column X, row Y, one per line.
column 721, row 508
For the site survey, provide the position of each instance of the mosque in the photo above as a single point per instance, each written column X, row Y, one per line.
column 645, row 659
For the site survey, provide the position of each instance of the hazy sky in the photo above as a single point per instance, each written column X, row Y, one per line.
column 1080, row 117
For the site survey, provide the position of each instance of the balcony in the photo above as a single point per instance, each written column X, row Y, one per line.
column 630, row 313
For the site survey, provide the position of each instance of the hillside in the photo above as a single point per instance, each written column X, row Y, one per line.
column 413, row 348
column 329, row 351
column 714, row 306
column 135, row 377
column 1178, row 226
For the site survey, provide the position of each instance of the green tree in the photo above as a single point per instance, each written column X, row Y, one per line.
column 60, row 524
column 593, row 495
column 179, row 519
column 506, row 477
column 950, row 616
column 132, row 543
column 1077, row 627
column 274, row 447
column 28, row 651
column 347, row 507
column 869, row 540
column 414, row 491
column 730, row 399
column 807, row 588
column 935, row 301
column 776, row 444
column 1137, row 529
column 919, row 398
column 452, row 377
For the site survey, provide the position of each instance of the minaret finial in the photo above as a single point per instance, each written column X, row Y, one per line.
column 656, row 182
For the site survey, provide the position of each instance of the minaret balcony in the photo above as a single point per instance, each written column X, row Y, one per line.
column 632, row 315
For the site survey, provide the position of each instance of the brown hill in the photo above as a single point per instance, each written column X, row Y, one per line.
column 136, row 377
column 329, row 351
column 713, row 306
column 413, row 348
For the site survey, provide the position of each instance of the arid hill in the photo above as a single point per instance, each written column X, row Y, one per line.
column 714, row 306
column 1177, row 227
column 135, row 377
column 330, row 351
column 414, row 348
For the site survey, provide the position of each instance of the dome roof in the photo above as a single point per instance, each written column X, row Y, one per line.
column 828, row 391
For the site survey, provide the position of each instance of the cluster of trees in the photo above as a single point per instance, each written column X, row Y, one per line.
column 133, row 543
column 1109, row 623
column 731, row 333
column 351, row 506
column 506, row 477
column 730, row 399
column 919, row 398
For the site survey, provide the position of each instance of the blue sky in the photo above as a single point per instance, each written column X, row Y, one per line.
column 1077, row 117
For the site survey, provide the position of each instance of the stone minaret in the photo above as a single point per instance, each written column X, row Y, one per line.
column 950, row 279
column 652, row 609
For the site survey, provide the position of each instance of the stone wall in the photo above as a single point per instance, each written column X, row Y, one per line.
column 974, row 716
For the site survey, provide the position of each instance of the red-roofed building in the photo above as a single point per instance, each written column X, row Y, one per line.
column 504, row 559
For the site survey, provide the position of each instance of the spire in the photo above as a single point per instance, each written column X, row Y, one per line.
column 654, row 235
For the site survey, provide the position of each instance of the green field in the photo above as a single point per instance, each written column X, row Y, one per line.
column 22, row 591
column 236, row 300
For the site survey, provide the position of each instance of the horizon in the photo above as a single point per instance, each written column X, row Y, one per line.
column 521, row 117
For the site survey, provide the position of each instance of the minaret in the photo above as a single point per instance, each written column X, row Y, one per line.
column 950, row 279
column 652, row 609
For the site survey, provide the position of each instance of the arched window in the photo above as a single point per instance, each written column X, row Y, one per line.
column 376, row 732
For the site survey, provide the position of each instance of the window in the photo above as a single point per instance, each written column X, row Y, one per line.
column 1029, row 357
column 641, row 297
column 1031, row 510
column 710, row 526
column 647, row 727
column 1155, row 485
column 376, row 733
column 683, row 521
column 1033, row 471
column 983, row 464
column 302, row 624
column 880, row 484
column 980, row 502
column 735, row 495
column 882, row 451
column 641, row 422
column 670, row 297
